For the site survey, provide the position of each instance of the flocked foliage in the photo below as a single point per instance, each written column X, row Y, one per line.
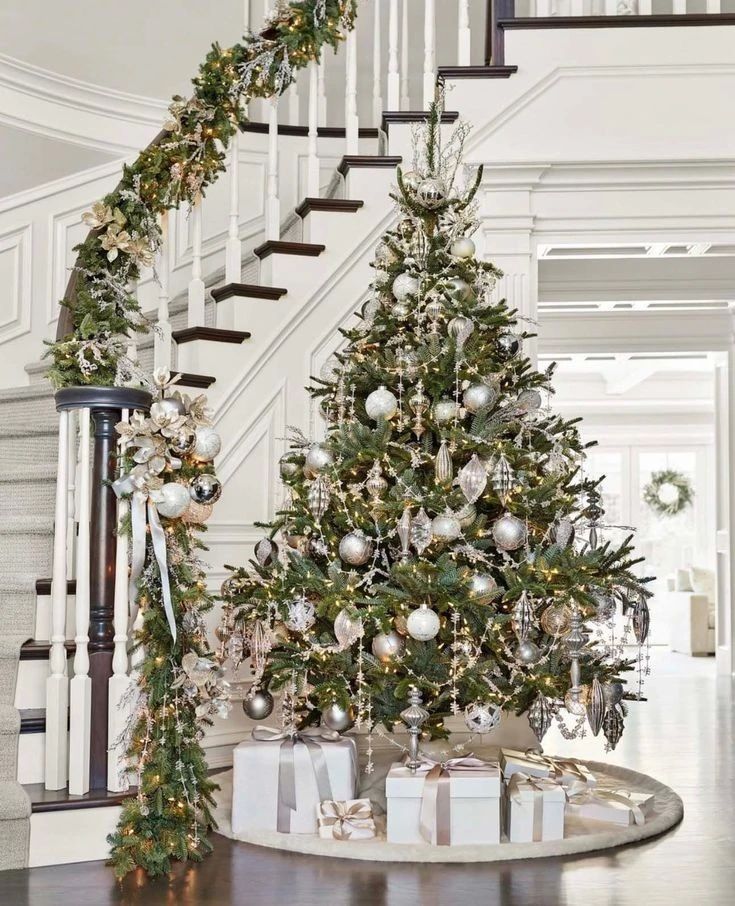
column 460, row 393
column 186, row 158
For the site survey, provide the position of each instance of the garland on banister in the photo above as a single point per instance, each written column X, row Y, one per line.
column 178, row 167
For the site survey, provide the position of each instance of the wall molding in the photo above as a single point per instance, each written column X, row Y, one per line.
column 15, row 313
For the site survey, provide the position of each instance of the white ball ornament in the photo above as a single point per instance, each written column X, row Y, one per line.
column 355, row 549
column 208, row 444
column 480, row 717
column 300, row 615
column 482, row 585
column 477, row 397
column 318, row 458
column 422, row 624
column 404, row 286
column 387, row 646
column 445, row 411
column 446, row 526
column 174, row 500
column 381, row 404
column 462, row 248
column 509, row 533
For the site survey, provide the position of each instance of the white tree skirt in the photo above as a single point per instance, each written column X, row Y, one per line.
column 580, row 836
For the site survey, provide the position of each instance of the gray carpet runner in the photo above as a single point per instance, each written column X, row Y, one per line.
column 28, row 450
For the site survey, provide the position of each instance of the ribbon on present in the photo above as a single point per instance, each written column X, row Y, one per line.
column 538, row 785
column 347, row 819
column 436, row 800
column 313, row 738
column 561, row 770
column 619, row 799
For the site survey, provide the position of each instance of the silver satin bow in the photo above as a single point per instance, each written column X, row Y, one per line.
column 347, row 819
column 436, row 801
column 616, row 798
column 313, row 738
column 566, row 770
column 538, row 785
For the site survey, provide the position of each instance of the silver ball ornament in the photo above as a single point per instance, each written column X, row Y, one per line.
column 529, row 400
column 462, row 248
column 482, row 585
column 355, row 548
column 381, row 404
column 258, row 705
column 208, row 444
column 508, row 344
column 423, row 624
column 400, row 311
column 387, row 646
column 459, row 289
column 509, row 533
column 174, row 500
column 612, row 694
column 404, row 286
column 318, row 458
column 183, row 442
column 411, row 180
column 527, row 652
column 431, row 193
column 434, row 310
column 205, row 488
column 445, row 411
column 480, row 717
column 337, row 718
column 446, row 527
column 287, row 467
column 477, row 397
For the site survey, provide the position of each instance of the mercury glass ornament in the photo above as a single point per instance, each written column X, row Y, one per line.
column 401, row 624
column 539, row 716
column 477, row 397
column 318, row 458
column 208, row 444
column 612, row 693
column 596, row 707
column 411, row 180
column 403, row 530
column 375, row 484
column 445, row 411
column 230, row 587
column 387, row 646
column 461, row 329
column 522, row 616
column 431, row 193
column 319, row 497
column 467, row 515
column 384, row 255
column 482, row 585
column 414, row 717
column 423, row 624
column 443, row 468
column 205, row 488
column 503, row 478
column 355, row 548
column 556, row 620
column 300, row 614
column 445, row 526
column 183, row 442
column 330, row 369
column 287, row 467
column 337, row 718
column 575, row 701
column 527, row 652
column 400, row 311
column 347, row 627
column 509, row 533
column 404, row 286
column 473, row 478
column 481, row 717
column 173, row 499
column 381, row 404
column 198, row 513
column 266, row 552
column 508, row 345
column 434, row 310
column 604, row 606
column 529, row 400
column 612, row 726
column 369, row 310
column 421, row 531
column 641, row 620
column 459, row 289
column 463, row 247
column 258, row 705
column 279, row 633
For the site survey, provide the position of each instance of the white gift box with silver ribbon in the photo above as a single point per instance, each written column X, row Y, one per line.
column 346, row 820
column 623, row 807
column 449, row 803
column 573, row 775
column 535, row 809
column 280, row 777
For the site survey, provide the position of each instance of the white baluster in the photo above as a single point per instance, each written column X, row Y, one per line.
column 294, row 105
column 119, row 682
column 405, row 93
column 679, row 7
column 377, row 67
column 429, row 52
column 394, row 78
column 272, row 203
column 464, row 36
column 312, row 162
column 543, row 8
column 322, row 93
column 80, row 698
column 611, row 7
column 713, row 6
column 197, row 291
column 576, row 7
column 162, row 332
column 71, row 486
column 57, row 684
column 233, row 249
column 247, row 25
column 352, row 123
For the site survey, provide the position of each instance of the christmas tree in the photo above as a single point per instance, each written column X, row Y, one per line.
column 443, row 537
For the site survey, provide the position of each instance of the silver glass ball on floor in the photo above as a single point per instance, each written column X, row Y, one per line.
column 387, row 646
column 318, row 458
column 174, row 500
column 431, row 193
column 208, row 444
column 509, row 533
column 477, row 397
column 404, row 286
column 258, row 705
column 381, row 404
column 355, row 548
column 462, row 248
column 423, row 624
column 205, row 488
column 337, row 718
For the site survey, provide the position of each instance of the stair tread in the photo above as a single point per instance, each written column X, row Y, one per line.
column 43, row 586
column 367, row 160
column 279, row 247
column 213, row 334
column 36, row 472
column 248, row 291
column 32, row 720
column 43, row 800
column 337, row 205
column 29, row 525
column 476, row 72
column 188, row 379
column 414, row 116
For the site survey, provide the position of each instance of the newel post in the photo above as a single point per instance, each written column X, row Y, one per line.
column 494, row 35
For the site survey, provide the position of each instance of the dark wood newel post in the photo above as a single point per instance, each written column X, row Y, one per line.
column 106, row 405
column 497, row 10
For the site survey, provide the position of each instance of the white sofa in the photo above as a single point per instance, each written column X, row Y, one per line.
column 690, row 604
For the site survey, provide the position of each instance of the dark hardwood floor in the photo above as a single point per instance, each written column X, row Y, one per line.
column 683, row 736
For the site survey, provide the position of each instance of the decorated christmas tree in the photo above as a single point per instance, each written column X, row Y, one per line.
column 443, row 538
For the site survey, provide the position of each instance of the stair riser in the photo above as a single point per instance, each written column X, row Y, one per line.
column 43, row 617
column 30, row 690
column 23, row 415
column 372, row 184
column 77, row 835
column 26, row 498
column 299, row 273
column 31, row 757
column 208, row 357
column 335, row 229
column 14, row 448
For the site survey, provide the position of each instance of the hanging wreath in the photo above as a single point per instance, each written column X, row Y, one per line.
column 668, row 492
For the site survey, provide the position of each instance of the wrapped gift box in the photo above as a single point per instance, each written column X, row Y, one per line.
column 473, row 805
column 346, row 820
column 324, row 766
column 612, row 806
column 573, row 775
column 535, row 809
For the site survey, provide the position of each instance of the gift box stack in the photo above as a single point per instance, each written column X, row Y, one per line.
column 305, row 782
